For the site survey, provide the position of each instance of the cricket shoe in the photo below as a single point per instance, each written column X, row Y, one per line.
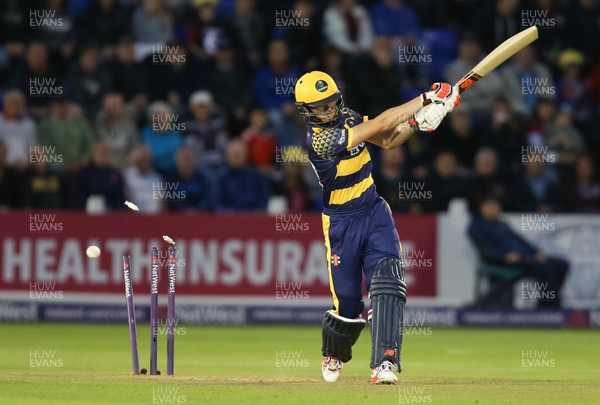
column 331, row 368
column 384, row 374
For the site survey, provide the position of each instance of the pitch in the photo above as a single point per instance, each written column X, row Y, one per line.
column 76, row 364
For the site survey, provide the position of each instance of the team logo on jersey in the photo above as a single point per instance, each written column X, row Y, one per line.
column 335, row 259
column 321, row 85
column 342, row 138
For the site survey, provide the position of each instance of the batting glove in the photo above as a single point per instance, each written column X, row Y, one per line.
column 428, row 118
column 444, row 93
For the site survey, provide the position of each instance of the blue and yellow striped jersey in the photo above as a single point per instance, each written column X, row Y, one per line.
column 344, row 172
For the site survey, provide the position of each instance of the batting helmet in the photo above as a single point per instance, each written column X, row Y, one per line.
column 316, row 89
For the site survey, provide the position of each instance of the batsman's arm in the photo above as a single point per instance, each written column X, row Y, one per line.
column 388, row 129
column 397, row 137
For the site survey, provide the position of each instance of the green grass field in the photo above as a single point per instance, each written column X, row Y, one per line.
column 90, row 364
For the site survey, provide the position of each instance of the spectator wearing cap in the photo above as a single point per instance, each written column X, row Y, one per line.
column 241, row 186
column 17, row 130
column 499, row 245
column 116, row 128
column 141, row 180
column 206, row 132
column 66, row 135
column 163, row 136
column 231, row 85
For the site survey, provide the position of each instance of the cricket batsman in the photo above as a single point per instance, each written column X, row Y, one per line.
column 360, row 235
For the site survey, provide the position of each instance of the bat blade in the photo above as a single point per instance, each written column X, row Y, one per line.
column 498, row 56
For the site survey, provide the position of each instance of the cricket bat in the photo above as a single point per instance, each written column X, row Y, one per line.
column 498, row 56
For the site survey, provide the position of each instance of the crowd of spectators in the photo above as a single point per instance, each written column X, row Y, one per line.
column 188, row 104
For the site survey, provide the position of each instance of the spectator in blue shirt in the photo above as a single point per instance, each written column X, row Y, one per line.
column 195, row 190
column 162, row 135
column 500, row 245
column 242, row 187
column 274, row 84
column 394, row 19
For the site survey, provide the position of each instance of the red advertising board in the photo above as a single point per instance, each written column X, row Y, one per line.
column 237, row 254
